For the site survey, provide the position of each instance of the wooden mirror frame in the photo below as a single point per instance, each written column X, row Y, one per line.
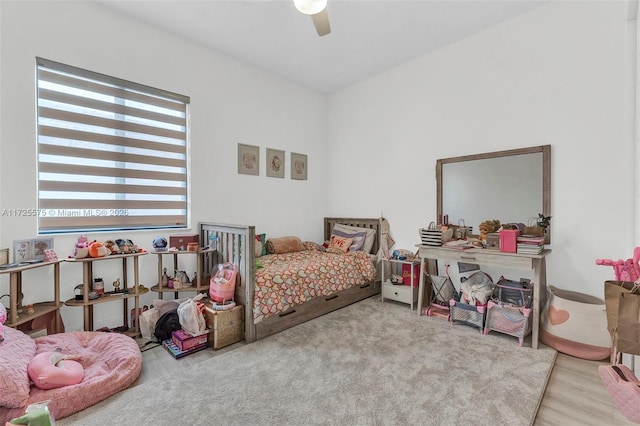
column 546, row 176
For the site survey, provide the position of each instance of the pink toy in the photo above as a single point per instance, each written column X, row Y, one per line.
column 222, row 285
column 81, row 249
column 625, row 270
column 624, row 389
column 50, row 370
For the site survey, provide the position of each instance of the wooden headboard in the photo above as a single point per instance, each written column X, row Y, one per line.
column 372, row 223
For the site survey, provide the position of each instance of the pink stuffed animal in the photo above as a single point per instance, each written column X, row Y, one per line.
column 81, row 249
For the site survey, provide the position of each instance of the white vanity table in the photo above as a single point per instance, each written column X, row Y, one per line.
column 534, row 262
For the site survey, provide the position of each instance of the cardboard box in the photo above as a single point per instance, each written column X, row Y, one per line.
column 508, row 240
column 406, row 274
column 180, row 241
column 184, row 341
column 225, row 327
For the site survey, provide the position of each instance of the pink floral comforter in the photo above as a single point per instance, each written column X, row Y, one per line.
column 289, row 279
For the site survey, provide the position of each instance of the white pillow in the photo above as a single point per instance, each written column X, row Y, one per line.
column 368, row 241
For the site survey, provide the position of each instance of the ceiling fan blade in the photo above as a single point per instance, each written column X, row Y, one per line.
column 321, row 22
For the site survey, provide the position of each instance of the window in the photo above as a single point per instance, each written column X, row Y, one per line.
column 112, row 154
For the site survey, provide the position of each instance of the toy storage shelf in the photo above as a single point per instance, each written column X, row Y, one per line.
column 15, row 279
column 534, row 262
column 202, row 282
column 127, row 292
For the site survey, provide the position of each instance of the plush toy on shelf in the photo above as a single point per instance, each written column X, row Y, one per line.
column 98, row 249
column 81, row 249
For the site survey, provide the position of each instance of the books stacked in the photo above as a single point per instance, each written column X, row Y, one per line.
column 530, row 244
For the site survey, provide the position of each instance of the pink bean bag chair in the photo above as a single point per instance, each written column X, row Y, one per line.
column 111, row 363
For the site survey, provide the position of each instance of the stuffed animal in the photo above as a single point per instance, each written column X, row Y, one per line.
column 487, row 227
column 81, row 249
column 97, row 249
column 112, row 246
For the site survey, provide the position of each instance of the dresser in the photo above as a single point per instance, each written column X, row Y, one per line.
column 494, row 258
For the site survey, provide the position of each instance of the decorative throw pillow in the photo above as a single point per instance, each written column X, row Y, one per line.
column 261, row 245
column 284, row 245
column 369, row 240
column 16, row 352
column 340, row 243
column 358, row 238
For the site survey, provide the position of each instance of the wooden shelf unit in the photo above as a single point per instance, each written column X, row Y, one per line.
column 200, row 285
column 42, row 308
column 127, row 292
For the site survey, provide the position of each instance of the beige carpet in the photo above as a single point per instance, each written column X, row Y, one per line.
column 369, row 363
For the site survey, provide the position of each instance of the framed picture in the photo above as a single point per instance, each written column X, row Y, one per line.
column 248, row 159
column 275, row 163
column 40, row 246
column 22, row 251
column 298, row 166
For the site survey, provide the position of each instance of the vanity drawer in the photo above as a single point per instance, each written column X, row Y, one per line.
column 479, row 256
column 400, row 293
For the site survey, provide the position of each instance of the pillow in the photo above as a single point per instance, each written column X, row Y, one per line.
column 16, row 352
column 340, row 243
column 261, row 245
column 358, row 238
column 284, row 245
column 369, row 240
column 50, row 370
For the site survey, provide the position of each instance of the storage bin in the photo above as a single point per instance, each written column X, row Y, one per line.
column 225, row 327
column 575, row 324
column 406, row 274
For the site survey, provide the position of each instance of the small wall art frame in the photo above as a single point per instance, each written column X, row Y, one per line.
column 248, row 159
column 299, row 166
column 40, row 247
column 22, row 250
column 275, row 163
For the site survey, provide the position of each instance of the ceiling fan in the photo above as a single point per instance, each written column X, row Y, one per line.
column 318, row 11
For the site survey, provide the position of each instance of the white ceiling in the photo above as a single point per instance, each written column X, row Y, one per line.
column 367, row 36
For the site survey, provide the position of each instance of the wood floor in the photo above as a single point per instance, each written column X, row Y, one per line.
column 574, row 396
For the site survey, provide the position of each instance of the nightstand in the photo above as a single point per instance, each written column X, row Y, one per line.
column 402, row 292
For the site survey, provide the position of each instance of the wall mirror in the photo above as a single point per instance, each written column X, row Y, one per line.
column 512, row 186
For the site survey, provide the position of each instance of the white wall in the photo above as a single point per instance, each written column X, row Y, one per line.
column 230, row 103
column 557, row 75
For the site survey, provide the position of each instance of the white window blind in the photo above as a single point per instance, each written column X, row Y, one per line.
column 112, row 154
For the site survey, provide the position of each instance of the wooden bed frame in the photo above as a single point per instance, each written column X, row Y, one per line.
column 236, row 244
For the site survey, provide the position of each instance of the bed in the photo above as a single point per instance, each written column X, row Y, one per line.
column 237, row 244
